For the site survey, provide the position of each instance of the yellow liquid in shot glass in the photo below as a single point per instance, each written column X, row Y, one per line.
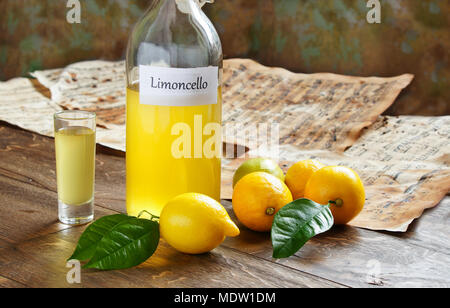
column 75, row 164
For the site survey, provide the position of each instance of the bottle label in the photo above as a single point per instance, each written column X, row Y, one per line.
column 165, row 86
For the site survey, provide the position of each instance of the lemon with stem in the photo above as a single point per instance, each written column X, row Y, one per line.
column 257, row 197
column 342, row 188
column 299, row 174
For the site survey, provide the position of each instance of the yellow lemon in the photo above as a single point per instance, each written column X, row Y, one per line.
column 299, row 174
column 257, row 197
column 340, row 186
column 258, row 165
column 195, row 224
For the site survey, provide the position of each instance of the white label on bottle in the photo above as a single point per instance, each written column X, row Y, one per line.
column 166, row 86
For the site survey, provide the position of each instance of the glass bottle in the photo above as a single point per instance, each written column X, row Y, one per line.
column 174, row 106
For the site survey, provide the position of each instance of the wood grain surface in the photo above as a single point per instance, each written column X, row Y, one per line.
column 7, row 283
column 34, row 246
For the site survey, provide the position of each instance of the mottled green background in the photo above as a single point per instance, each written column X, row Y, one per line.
column 301, row 35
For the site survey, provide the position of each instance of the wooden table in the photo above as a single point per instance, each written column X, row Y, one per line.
column 34, row 246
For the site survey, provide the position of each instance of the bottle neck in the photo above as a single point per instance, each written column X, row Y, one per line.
column 186, row 6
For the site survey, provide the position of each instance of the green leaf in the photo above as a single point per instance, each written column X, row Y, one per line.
column 93, row 234
column 296, row 223
column 129, row 244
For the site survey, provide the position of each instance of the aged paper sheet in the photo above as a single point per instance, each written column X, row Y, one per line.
column 404, row 163
column 320, row 111
column 317, row 111
column 325, row 116
column 97, row 86
column 23, row 105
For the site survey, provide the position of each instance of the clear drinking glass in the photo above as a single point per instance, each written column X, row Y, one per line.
column 75, row 165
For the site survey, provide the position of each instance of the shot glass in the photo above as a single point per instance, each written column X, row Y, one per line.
column 75, row 165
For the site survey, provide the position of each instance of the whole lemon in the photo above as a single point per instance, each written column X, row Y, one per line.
column 257, row 197
column 340, row 186
column 194, row 223
column 258, row 165
column 299, row 174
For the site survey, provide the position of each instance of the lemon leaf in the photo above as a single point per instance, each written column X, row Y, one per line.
column 296, row 223
column 128, row 244
column 93, row 234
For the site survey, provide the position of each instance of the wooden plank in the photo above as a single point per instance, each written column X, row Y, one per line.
column 346, row 255
column 358, row 258
column 8, row 283
column 4, row 243
column 30, row 158
column 39, row 245
column 29, row 211
column 41, row 262
column 431, row 231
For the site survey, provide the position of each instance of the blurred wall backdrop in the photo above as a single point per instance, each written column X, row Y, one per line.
column 301, row 35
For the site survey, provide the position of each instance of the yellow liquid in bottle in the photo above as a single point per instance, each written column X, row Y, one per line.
column 75, row 164
column 154, row 175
